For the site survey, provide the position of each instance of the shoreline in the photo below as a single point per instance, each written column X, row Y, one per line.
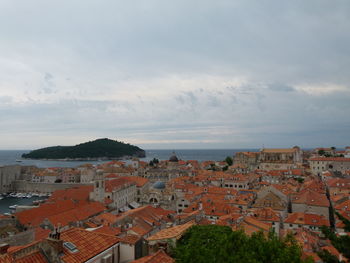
column 84, row 159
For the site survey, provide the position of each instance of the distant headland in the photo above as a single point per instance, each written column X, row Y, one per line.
column 100, row 149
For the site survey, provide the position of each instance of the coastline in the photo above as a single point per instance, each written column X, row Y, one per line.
column 84, row 159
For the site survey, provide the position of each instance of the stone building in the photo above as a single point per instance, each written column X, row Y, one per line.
column 309, row 201
column 277, row 159
column 9, row 174
column 333, row 164
column 117, row 193
column 249, row 160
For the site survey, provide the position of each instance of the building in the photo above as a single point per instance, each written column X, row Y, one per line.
column 309, row 201
column 162, row 238
column 117, row 193
column 310, row 221
column 71, row 246
column 333, row 164
column 280, row 159
column 249, row 160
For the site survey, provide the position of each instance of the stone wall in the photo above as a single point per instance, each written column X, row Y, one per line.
column 8, row 174
column 7, row 221
column 19, row 239
column 25, row 186
column 304, row 208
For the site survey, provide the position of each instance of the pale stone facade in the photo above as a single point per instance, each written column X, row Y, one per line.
column 333, row 164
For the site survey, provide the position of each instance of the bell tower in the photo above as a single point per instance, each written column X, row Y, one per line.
column 99, row 187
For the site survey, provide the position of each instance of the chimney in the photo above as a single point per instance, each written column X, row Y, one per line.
column 3, row 248
column 55, row 234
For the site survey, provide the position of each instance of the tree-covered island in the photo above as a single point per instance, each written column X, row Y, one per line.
column 98, row 149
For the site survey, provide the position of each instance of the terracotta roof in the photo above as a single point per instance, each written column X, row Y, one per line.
column 114, row 184
column 159, row 257
column 108, row 230
column 140, row 230
column 79, row 213
column 172, row 232
column 107, row 218
column 89, row 244
column 139, row 181
column 41, row 233
column 130, row 239
column 339, row 183
column 35, row 216
column 306, row 219
column 266, row 214
column 343, row 206
column 35, row 257
column 310, row 197
column 76, row 193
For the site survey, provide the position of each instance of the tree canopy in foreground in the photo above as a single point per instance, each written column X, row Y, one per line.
column 214, row 243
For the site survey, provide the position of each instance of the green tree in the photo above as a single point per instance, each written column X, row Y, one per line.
column 341, row 243
column 213, row 243
column 229, row 160
column 321, row 152
column 327, row 257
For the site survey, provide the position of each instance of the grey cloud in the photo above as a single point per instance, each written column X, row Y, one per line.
column 280, row 87
column 79, row 68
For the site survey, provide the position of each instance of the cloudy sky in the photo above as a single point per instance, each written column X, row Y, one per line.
column 175, row 74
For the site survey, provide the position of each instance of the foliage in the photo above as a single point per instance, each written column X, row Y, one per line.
column 59, row 180
column 229, row 160
column 96, row 149
column 321, row 152
column 345, row 221
column 341, row 243
column 214, row 243
column 154, row 162
column 327, row 257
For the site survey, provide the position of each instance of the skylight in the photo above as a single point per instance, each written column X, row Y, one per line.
column 71, row 247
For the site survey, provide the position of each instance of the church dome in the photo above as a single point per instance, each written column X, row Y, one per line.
column 159, row 185
column 173, row 158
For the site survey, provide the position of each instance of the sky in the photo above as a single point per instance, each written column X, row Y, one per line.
column 182, row 74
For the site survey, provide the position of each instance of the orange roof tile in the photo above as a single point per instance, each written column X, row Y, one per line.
column 89, row 244
column 306, row 219
column 108, row 230
column 130, row 239
column 310, row 197
column 41, row 233
column 159, row 257
column 172, row 232
column 35, row 257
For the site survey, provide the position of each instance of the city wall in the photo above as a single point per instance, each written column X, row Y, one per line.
column 19, row 239
column 27, row 187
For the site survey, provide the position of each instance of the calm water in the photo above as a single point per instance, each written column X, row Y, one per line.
column 11, row 157
column 8, row 201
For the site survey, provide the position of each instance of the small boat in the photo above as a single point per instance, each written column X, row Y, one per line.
column 13, row 206
column 29, row 196
column 1, row 197
column 18, row 160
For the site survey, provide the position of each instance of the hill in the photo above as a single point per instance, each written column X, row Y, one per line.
column 98, row 149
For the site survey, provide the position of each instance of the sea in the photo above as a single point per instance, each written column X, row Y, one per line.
column 13, row 157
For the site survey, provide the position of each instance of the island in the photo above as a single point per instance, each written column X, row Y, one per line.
column 100, row 149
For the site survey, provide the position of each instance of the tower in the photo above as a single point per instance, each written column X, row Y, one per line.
column 99, row 187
